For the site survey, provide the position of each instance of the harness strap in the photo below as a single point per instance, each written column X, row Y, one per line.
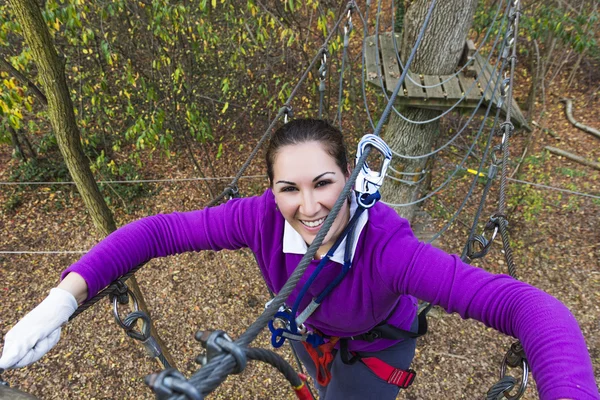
column 395, row 376
column 322, row 356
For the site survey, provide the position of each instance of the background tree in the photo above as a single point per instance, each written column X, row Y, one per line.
column 439, row 54
column 62, row 118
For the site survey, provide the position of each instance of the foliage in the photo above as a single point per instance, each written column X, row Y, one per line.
column 573, row 24
column 149, row 76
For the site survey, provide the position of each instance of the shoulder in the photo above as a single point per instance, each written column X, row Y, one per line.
column 384, row 224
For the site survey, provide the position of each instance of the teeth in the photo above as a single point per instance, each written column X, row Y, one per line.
column 312, row 224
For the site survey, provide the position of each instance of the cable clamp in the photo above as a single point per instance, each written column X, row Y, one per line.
column 287, row 111
column 121, row 292
column 218, row 342
column 233, row 191
column 323, row 67
column 349, row 26
column 368, row 181
column 169, row 383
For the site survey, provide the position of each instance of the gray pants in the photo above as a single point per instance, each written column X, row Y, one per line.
column 357, row 381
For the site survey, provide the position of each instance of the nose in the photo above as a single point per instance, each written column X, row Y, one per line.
column 309, row 206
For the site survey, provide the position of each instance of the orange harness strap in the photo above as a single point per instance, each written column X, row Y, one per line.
column 322, row 357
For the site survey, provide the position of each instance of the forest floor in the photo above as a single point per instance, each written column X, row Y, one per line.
column 555, row 238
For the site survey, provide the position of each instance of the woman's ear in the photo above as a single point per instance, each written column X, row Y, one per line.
column 348, row 171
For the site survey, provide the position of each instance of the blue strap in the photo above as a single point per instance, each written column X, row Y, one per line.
column 277, row 334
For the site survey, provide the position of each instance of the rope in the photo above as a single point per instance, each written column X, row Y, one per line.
column 363, row 69
column 471, row 188
column 212, row 178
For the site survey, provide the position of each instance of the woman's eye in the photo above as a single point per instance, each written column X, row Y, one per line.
column 322, row 183
column 288, row 189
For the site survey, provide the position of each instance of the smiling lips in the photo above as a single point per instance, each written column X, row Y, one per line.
column 313, row 224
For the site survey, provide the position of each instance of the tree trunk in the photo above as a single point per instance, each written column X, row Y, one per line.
column 438, row 54
column 18, row 149
column 63, row 121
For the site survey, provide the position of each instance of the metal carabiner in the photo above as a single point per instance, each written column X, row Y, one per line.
column 116, row 309
column 368, row 181
column 515, row 357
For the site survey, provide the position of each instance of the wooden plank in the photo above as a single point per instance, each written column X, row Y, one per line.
column 470, row 50
column 372, row 63
column 469, row 87
column 391, row 69
column 452, row 87
column 412, row 90
column 484, row 77
column 434, row 92
column 517, row 116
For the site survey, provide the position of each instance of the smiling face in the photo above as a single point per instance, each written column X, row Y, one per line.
column 307, row 182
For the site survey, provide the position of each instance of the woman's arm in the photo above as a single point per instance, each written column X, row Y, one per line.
column 230, row 226
column 76, row 285
column 549, row 333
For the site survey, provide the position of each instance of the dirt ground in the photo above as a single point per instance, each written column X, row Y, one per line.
column 555, row 238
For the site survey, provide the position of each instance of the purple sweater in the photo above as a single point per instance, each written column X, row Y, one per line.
column 391, row 268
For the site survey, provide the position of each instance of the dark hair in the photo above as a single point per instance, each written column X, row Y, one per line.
column 308, row 130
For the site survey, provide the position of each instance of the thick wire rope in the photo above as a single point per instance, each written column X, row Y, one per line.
column 508, row 130
column 471, row 187
column 347, row 31
column 363, row 60
column 466, row 93
column 455, row 74
column 213, row 373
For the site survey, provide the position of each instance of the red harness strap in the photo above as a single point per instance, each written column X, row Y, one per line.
column 322, row 357
column 392, row 375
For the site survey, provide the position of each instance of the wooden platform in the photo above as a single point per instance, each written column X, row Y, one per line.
column 383, row 70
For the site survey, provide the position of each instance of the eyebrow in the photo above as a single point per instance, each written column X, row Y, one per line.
column 314, row 180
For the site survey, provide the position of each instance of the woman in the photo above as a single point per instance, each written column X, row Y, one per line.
column 307, row 169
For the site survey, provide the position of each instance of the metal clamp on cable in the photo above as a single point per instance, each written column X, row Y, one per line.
column 323, row 70
column 233, row 192
column 349, row 26
column 121, row 293
column 514, row 358
column 287, row 111
column 479, row 246
column 368, row 182
column 169, row 383
column 218, row 342
column 117, row 299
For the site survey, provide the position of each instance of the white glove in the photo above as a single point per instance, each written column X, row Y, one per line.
column 38, row 331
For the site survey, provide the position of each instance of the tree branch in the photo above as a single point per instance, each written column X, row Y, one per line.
column 14, row 72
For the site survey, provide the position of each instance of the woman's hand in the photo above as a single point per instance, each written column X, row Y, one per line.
column 35, row 334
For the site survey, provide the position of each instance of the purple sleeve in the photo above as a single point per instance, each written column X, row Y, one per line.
column 229, row 226
column 554, row 345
